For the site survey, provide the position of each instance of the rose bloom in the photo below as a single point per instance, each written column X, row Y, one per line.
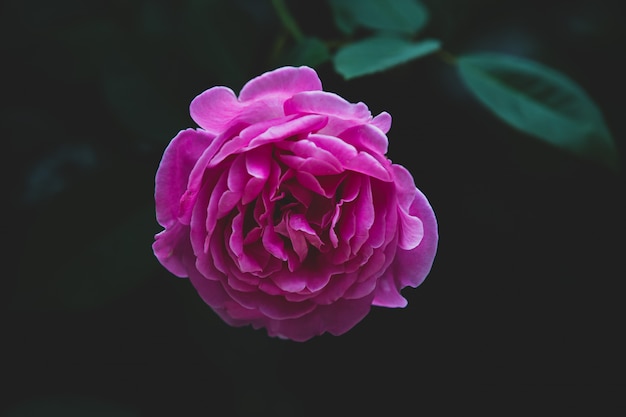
column 284, row 212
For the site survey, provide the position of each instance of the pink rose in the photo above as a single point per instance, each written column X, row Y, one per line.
column 284, row 212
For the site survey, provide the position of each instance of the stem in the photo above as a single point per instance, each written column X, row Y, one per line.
column 287, row 19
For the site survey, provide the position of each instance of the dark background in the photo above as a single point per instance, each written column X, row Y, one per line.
column 526, row 288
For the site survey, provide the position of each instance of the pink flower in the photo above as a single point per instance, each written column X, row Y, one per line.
column 284, row 212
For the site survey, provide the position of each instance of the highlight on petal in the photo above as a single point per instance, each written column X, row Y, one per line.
column 367, row 137
column 215, row 108
column 283, row 81
column 410, row 267
column 178, row 160
column 274, row 133
column 410, row 232
column 382, row 121
column 388, row 294
column 322, row 102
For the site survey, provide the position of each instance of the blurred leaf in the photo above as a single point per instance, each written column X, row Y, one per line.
column 68, row 407
column 309, row 51
column 405, row 16
column 380, row 53
column 343, row 16
column 119, row 261
column 541, row 102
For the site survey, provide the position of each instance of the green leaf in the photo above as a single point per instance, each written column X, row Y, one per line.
column 309, row 51
column 540, row 101
column 344, row 18
column 405, row 16
column 380, row 53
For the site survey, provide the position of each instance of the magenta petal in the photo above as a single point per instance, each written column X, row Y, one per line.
column 341, row 150
column 171, row 246
column 288, row 281
column 178, row 160
column 197, row 176
column 405, row 187
column 212, row 210
column 298, row 243
column 215, row 108
column 366, row 164
column 274, row 307
column 364, row 214
column 274, row 244
column 283, row 81
column 242, row 258
column 259, row 166
column 336, row 319
column 237, row 176
column 382, row 121
column 258, row 163
column 387, row 293
column 412, row 266
column 211, row 291
column 322, row 102
column 367, row 137
column 272, row 134
column 410, row 231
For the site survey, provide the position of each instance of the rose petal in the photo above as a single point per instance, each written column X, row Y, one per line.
column 410, row 267
column 322, row 102
column 171, row 246
column 336, row 318
column 405, row 186
column 198, row 176
column 367, row 137
column 274, row 307
column 272, row 134
column 172, row 175
column 212, row 208
column 382, row 121
column 387, row 293
column 284, row 81
column 363, row 211
column 289, row 282
column 410, row 231
column 413, row 266
column 244, row 261
column 215, row 108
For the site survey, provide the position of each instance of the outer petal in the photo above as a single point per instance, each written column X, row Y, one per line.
column 413, row 266
column 382, row 121
column 367, row 137
column 214, row 108
column 411, row 229
column 171, row 246
column 173, row 173
column 336, row 319
column 410, row 267
column 322, row 102
column 284, row 81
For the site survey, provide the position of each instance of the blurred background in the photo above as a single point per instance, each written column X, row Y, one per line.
column 526, row 288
